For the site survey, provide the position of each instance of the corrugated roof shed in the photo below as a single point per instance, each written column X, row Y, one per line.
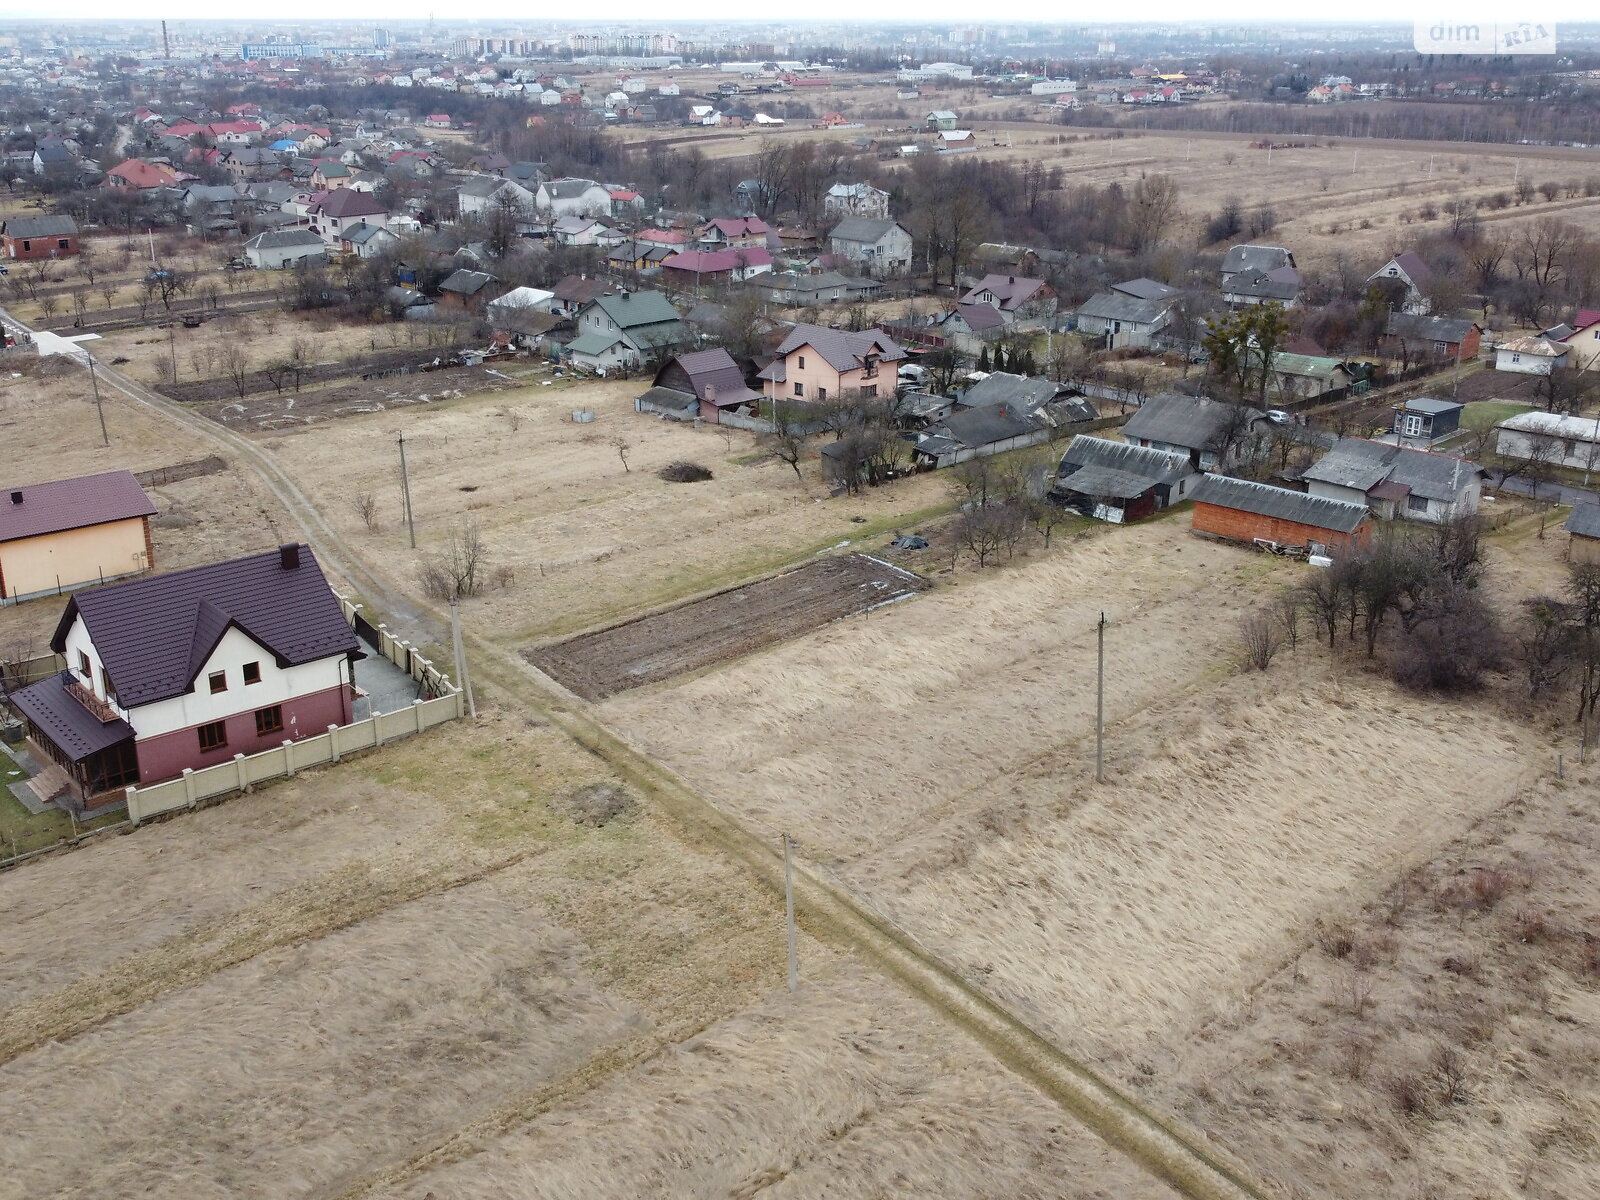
column 1158, row 466
column 1268, row 501
column 64, row 504
column 1195, row 422
column 1584, row 521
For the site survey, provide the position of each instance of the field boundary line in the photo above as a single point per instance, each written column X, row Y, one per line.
column 1179, row 1157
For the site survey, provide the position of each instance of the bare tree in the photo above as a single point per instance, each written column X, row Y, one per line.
column 366, row 506
column 458, row 570
column 236, row 364
column 621, row 445
column 1260, row 639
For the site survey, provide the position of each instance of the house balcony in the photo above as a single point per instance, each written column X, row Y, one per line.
column 102, row 711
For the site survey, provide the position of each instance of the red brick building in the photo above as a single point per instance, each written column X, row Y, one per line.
column 1241, row 511
column 39, row 237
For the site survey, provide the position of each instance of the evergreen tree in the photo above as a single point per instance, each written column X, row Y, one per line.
column 983, row 359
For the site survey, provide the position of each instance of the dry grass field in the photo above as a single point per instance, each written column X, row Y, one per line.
column 938, row 762
column 1334, row 197
column 574, row 539
column 50, row 431
column 420, row 972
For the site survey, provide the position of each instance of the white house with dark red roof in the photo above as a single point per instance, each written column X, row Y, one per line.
column 188, row 670
column 69, row 533
column 1409, row 271
column 330, row 214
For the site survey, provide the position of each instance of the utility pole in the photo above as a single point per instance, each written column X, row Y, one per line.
column 99, row 408
column 788, row 904
column 405, row 493
column 172, row 348
column 1100, row 705
column 461, row 660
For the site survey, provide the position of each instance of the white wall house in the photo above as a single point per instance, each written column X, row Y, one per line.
column 1550, row 437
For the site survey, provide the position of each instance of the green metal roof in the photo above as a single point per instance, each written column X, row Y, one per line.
column 592, row 343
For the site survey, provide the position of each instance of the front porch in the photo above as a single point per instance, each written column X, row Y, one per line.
column 82, row 756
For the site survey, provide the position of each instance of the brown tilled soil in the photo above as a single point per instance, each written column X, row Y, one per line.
column 726, row 625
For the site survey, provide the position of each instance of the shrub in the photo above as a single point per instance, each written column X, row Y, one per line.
column 684, row 471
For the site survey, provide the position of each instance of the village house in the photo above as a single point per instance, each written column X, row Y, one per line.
column 814, row 363
column 1583, row 342
column 574, row 291
column 1397, row 481
column 67, row 533
column 879, row 247
column 1531, row 356
column 1553, row 439
column 1280, row 286
column 1297, row 377
column 1419, row 339
column 573, row 198
column 1253, row 261
column 330, row 214
column 1120, row 482
column 734, row 233
column 367, row 241
column 626, row 330
column 968, row 328
column 804, row 289
column 695, row 268
column 1239, row 510
column 186, row 670
column 1015, row 296
column 969, row 433
column 1128, row 314
column 1406, row 277
column 1213, row 433
column 279, row 248
column 485, row 193
column 467, row 291
column 711, row 379
column 856, row 200
column 139, row 175
column 942, row 118
column 39, row 237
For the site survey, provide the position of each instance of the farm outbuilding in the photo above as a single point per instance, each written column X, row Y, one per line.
column 1238, row 510
column 1119, row 482
column 1583, row 529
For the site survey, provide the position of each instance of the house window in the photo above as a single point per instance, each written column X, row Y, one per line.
column 1182, row 483
column 1516, row 358
column 799, row 389
column 64, row 244
column 252, row 672
column 870, row 392
column 213, row 736
column 269, row 720
column 822, row 393
column 85, row 667
column 802, row 361
column 218, row 681
column 26, row 244
column 1416, row 504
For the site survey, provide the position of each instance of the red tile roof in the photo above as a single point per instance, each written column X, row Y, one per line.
column 71, row 504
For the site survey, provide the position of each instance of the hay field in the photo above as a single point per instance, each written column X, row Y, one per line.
column 1442, row 1040
column 579, row 540
column 49, row 428
column 889, row 1105
column 938, row 762
column 418, row 972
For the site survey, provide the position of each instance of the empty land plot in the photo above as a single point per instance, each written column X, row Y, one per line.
column 418, row 971
column 1442, row 1040
column 939, row 763
column 730, row 624
column 574, row 538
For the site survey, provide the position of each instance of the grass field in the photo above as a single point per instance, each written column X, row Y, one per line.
column 1128, row 919
column 575, row 538
column 419, row 973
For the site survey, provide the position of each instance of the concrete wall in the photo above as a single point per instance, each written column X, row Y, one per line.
column 76, row 556
column 1247, row 527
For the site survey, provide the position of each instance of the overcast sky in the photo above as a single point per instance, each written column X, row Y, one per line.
column 650, row 11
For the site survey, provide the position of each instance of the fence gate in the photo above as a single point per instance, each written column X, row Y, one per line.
column 367, row 632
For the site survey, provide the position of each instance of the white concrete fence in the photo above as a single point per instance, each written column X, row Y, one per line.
column 247, row 770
